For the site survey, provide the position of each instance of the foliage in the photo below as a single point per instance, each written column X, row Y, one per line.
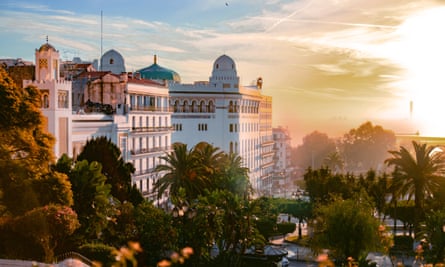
column 155, row 232
column 101, row 253
column 302, row 210
column 346, row 228
column 322, row 185
column 91, row 199
column 53, row 187
column 375, row 140
column 417, row 175
column 316, row 147
column 285, row 228
column 433, row 231
column 117, row 171
column 25, row 147
column 47, row 226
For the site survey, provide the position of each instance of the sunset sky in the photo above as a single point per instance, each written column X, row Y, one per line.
column 330, row 65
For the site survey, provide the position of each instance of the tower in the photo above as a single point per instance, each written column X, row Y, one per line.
column 56, row 97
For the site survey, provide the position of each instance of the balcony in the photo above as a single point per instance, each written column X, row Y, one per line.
column 150, row 150
column 151, row 129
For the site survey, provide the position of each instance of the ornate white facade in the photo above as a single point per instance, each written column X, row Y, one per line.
column 56, row 97
column 234, row 118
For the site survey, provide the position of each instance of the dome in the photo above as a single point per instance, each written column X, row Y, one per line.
column 113, row 61
column 46, row 47
column 157, row 72
column 224, row 63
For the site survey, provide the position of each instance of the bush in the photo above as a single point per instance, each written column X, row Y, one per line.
column 284, row 228
column 99, row 252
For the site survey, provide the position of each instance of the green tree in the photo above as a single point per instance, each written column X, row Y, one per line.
column 334, row 161
column 433, row 231
column 117, row 171
column 347, row 228
column 155, row 232
column 314, row 149
column 181, row 170
column 91, row 200
column 417, row 175
column 302, row 210
column 366, row 147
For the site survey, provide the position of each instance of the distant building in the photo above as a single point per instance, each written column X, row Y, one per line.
column 283, row 184
column 234, row 118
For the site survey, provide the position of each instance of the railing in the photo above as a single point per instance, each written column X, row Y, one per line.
column 150, row 108
column 74, row 255
column 152, row 129
column 150, row 150
column 142, row 172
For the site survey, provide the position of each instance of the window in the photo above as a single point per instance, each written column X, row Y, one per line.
column 231, row 128
column 111, row 61
column 62, row 99
column 45, row 100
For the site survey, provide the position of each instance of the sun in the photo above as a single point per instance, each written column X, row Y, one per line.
column 420, row 51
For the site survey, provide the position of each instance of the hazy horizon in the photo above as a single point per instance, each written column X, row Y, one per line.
column 329, row 65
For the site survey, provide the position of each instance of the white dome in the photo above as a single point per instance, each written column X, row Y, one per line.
column 224, row 63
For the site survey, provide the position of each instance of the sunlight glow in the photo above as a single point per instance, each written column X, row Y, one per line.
column 420, row 50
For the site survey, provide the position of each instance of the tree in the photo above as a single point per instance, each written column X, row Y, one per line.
column 117, row 171
column 365, row 148
column 347, row 228
column 155, row 232
column 433, row 231
column 91, row 199
column 417, row 175
column 334, row 161
column 48, row 226
column 314, row 149
column 181, row 170
column 25, row 147
column 302, row 210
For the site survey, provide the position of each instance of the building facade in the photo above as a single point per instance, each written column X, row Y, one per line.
column 234, row 118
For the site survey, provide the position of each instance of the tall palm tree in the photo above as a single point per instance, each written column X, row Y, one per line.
column 417, row 175
column 181, row 170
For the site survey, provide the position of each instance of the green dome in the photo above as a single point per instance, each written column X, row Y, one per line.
column 157, row 72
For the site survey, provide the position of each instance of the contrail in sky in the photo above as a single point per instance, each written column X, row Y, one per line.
column 281, row 20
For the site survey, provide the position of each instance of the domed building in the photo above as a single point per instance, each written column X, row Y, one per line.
column 234, row 118
column 112, row 61
column 158, row 73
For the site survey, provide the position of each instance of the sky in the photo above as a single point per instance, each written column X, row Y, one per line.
column 330, row 65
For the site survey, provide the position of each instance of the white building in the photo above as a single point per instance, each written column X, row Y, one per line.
column 282, row 185
column 234, row 118
column 139, row 122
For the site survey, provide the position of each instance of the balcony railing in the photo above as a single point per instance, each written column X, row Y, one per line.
column 152, row 129
column 151, row 108
column 150, row 150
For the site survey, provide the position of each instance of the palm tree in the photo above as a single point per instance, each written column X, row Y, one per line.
column 417, row 175
column 181, row 170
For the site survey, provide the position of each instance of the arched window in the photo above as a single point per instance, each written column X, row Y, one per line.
column 202, row 106
column 45, row 101
column 185, row 106
column 111, row 61
column 211, row 107
column 194, row 107
column 176, row 106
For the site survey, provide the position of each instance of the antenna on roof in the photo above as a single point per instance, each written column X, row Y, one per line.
column 47, row 39
column 101, row 37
